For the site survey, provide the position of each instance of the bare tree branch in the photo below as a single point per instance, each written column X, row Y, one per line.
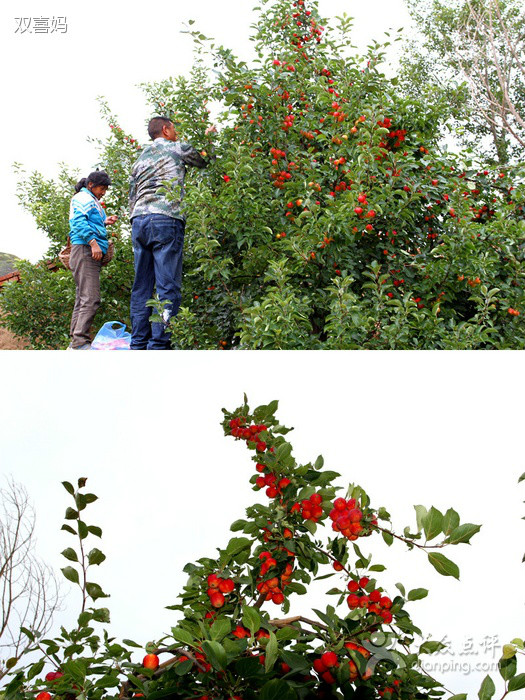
column 29, row 591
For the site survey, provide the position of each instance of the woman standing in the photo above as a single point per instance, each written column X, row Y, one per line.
column 89, row 243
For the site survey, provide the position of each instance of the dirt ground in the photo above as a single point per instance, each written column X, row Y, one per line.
column 9, row 342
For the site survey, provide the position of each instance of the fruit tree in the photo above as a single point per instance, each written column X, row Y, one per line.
column 226, row 644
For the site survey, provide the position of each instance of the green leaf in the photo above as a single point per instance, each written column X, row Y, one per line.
column 417, row 594
column 83, row 530
column 522, row 478
column 35, row 669
column 421, row 513
column 271, row 652
column 450, row 521
column 432, row 523
column 220, row 629
column 277, row 689
column 101, row 615
column 70, row 554
column 461, row 696
column 69, row 487
column 96, row 557
column 297, row 662
column 216, row 655
column 388, row 538
column 182, row 636
column 94, row 530
column 71, row 574
column 517, row 683
column 28, row 633
column 251, row 619
column 90, row 498
column 431, row 647
column 442, row 565
column 131, row 643
column 68, row 528
column 71, row 514
column 508, row 668
column 487, row 689
column 518, row 642
column 95, row 591
column 463, row 533
column 237, row 545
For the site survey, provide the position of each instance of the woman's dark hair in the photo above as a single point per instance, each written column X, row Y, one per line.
column 99, row 177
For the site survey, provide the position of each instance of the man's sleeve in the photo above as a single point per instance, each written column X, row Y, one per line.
column 132, row 194
column 191, row 156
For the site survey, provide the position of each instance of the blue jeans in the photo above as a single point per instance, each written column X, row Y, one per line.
column 157, row 245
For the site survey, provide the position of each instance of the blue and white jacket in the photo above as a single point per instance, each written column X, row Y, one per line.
column 86, row 220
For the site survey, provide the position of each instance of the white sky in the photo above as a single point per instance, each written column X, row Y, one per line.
column 439, row 429
column 50, row 82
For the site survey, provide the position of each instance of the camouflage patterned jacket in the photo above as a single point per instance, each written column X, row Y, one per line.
column 162, row 160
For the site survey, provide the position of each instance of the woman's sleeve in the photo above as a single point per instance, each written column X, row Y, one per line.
column 79, row 222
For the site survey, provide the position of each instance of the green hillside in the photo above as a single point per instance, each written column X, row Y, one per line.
column 8, row 263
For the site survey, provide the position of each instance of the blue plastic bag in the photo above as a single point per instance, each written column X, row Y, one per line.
column 112, row 336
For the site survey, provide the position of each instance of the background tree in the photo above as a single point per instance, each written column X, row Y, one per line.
column 467, row 59
column 29, row 594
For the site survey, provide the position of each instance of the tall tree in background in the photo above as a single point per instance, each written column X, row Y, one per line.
column 29, row 593
column 469, row 58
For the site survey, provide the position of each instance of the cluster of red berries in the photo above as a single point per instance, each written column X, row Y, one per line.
column 375, row 602
column 51, row 677
column 389, row 691
column 273, row 587
column 273, row 486
column 310, row 508
column 513, row 312
column 324, row 666
column 218, row 588
column 250, row 433
column 347, row 518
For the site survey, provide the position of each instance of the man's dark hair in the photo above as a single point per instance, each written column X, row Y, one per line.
column 155, row 126
column 98, row 177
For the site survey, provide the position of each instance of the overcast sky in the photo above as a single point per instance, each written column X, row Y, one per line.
column 50, row 82
column 442, row 429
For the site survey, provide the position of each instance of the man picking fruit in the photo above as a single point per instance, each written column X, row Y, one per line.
column 158, row 230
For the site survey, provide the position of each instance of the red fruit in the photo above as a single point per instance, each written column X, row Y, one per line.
column 358, row 210
column 387, row 616
column 327, row 677
column 285, row 668
column 319, row 666
column 272, row 492
column 369, row 227
column 385, row 602
column 353, row 601
column 329, row 658
column 150, row 661
column 375, row 596
column 213, row 581
column 338, row 566
column 261, row 446
column 217, row 599
column 353, row 586
column 363, row 582
column 260, row 482
column 226, row 585
column 43, row 696
column 240, row 632
column 316, row 499
column 226, row 178
column 283, row 483
column 278, row 598
column 361, row 198
column 340, row 504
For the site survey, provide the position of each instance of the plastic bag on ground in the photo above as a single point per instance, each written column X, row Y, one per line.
column 112, row 336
